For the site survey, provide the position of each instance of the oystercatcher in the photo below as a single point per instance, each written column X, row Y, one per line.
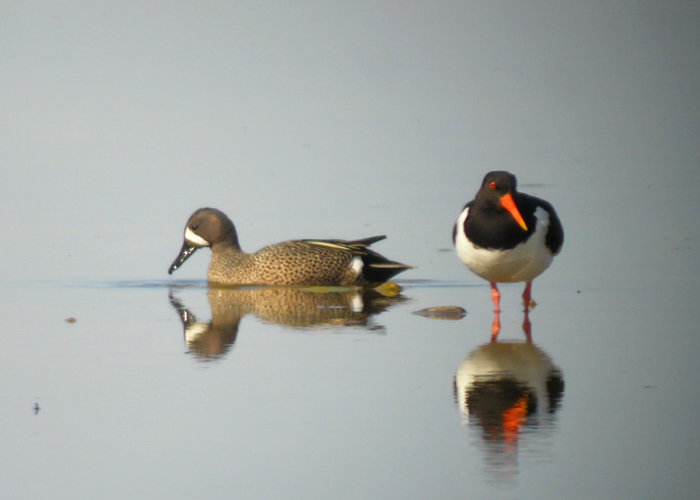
column 505, row 236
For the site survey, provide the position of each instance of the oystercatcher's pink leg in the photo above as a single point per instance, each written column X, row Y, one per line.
column 496, row 297
column 527, row 295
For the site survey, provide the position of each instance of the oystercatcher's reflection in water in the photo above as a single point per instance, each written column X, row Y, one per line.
column 508, row 394
column 294, row 307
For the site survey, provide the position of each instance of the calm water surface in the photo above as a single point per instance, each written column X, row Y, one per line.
column 171, row 389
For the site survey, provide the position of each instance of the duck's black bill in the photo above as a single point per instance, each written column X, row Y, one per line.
column 185, row 253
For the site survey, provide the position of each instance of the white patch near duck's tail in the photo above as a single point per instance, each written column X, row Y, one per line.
column 357, row 265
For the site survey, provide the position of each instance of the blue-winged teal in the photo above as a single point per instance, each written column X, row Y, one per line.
column 505, row 236
column 297, row 262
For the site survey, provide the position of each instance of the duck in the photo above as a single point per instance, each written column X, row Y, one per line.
column 505, row 236
column 306, row 262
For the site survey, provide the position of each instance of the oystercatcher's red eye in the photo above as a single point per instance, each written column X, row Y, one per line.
column 492, row 185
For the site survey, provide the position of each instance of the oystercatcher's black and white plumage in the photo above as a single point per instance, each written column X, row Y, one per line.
column 505, row 236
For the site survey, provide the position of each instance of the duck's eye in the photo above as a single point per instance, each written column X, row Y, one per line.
column 492, row 185
column 194, row 227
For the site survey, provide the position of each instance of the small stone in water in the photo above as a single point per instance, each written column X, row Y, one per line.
column 443, row 312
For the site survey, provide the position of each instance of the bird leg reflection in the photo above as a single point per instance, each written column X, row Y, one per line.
column 527, row 326
column 496, row 325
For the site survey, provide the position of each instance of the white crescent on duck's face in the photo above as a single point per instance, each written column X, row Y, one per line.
column 194, row 239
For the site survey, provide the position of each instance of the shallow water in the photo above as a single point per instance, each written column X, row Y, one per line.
column 172, row 389
column 321, row 121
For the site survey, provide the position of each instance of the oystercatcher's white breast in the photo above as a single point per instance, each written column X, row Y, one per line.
column 524, row 262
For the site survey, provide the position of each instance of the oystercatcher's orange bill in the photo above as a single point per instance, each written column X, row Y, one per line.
column 508, row 203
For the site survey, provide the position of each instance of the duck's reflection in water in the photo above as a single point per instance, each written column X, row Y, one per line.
column 294, row 307
column 508, row 394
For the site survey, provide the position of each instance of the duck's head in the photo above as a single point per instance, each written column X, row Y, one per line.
column 205, row 228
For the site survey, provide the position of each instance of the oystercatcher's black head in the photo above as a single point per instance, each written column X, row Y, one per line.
column 497, row 192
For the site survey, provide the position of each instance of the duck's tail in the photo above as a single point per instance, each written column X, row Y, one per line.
column 376, row 268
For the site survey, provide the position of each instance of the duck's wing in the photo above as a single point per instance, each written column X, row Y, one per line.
column 355, row 247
